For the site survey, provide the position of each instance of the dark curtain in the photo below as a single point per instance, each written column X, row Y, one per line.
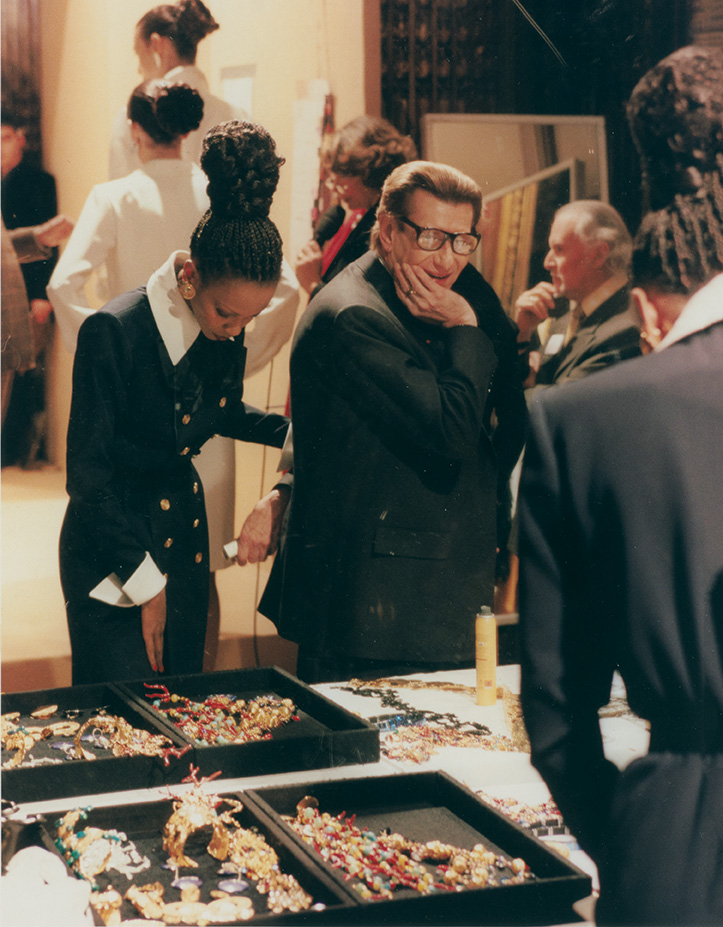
column 21, row 69
column 485, row 56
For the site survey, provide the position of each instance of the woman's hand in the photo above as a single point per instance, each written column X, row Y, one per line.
column 259, row 536
column 308, row 266
column 153, row 623
column 430, row 301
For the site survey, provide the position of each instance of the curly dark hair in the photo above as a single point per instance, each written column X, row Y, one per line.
column 185, row 23
column 676, row 118
column 680, row 247
column 165, row 111
column 236, row 237
column 675, row 114
column 369, row 148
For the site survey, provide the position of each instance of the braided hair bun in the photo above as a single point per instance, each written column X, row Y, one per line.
column 236, row 236
column 240, row 161
column 165, row 112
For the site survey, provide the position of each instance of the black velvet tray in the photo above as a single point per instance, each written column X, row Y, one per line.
column 84, row 777
column 325, row 734
column 144, row 823
column 434, row 806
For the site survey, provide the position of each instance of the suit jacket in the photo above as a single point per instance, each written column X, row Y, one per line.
column 391, row 541
column 621, row 564
column 608, row 335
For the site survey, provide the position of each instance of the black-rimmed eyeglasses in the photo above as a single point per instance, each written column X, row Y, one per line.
column 433, row 239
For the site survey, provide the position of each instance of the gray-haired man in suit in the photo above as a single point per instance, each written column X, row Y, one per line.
column 588, row 261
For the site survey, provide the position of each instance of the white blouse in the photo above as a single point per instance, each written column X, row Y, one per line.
column 123, row 154
column 125, row 232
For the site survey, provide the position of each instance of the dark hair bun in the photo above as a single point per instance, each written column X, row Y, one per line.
column 194, row 20
column 164, row 111
column 240, row 161
column 179, row 109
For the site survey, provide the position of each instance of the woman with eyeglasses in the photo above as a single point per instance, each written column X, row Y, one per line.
column 361, row 156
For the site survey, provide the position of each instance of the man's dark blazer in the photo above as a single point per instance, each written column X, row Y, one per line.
column 621, row 564
column 610, row 333
column 391, row 542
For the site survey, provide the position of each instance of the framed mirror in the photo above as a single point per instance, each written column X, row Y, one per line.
column 527, row 167
column 516, row 225
column 497, row 151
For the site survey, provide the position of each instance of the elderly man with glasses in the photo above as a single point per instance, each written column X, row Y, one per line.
column 408, row 415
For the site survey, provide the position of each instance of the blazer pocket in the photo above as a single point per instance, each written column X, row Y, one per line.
column 409, row 542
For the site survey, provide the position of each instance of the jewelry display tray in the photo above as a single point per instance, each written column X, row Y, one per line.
column 143, row 824
column 325, row 735
column 434, row 806
column 84, row 777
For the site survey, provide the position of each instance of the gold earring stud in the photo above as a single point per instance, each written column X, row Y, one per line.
column 186, row 288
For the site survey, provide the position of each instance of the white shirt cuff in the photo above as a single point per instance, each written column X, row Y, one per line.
column 145, row 583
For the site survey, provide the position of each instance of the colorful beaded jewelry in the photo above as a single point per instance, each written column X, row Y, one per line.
column 381, row 863
column 220, row 720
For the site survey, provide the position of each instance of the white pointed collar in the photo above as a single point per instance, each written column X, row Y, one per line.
column 175, row 321
column 703, row 309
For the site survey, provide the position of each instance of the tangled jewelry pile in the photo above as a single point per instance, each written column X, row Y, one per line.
column 544, row 814
column 101, row 731
column 93, row 850
column 220, row 720
column 414, row 735
column 383, row 862
column 417, row 743
column 242, row 852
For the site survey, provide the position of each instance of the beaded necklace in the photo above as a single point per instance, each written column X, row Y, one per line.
column 383, row 863
column 220, row 720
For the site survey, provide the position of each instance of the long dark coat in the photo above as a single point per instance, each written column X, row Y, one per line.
column 391, row 542
column 621, row 565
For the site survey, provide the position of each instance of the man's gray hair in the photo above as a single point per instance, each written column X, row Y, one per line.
column 596, row 221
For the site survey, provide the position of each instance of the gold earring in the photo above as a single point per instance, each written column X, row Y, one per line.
column 187, row 289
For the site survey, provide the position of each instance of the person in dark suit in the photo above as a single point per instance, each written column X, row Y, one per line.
column 157, row 372
column 621, row 558
column 396, row 370
column 361, row 156
column 588, row 261
column 28, row 199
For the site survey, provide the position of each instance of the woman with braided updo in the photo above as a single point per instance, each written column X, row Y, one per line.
column 128, row 226
column 158, row 372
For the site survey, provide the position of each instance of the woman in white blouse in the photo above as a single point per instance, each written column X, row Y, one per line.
column 128, row 226
column 166, row 41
